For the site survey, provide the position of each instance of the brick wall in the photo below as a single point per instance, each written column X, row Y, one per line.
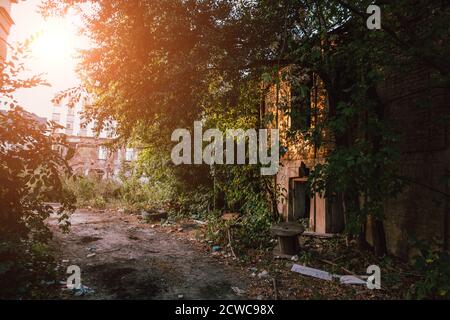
column 420, row 115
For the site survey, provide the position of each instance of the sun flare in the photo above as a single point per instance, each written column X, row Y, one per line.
column 55, row 42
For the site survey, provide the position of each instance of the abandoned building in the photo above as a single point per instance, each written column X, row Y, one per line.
column 5, row 24
column 299, row 156
column 91, row 155
column 421, row 211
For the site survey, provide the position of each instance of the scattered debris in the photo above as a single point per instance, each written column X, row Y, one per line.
column 216, row 248
column 275, row 288
column 202, row 223
column 294, row 258
column 65, row 261
column 316, row 273
column 153, row 215
column 180, row 229
column 180, row 296
column 324, row 275
column 264, row 274
column 238, row 291
column 351, row 280
column 82, row 291
column 166, row 223
column 145, row 215
column 91, row 255
column 335, row 265
column 230, row 243
column 230, row 216
column 318, row 235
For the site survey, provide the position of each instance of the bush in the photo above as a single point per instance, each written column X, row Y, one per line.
column 29, row 177
column 131, row 191
column 434, row 266
column 240, row 190
column 92, row 191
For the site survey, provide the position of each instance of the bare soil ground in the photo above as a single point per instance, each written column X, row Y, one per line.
column 122, row 257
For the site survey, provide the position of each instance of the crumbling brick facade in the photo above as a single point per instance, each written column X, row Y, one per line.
column 420, row 115
column 301, row 156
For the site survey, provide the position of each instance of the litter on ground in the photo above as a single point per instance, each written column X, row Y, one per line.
column 238, row 291
column 324, row 275
column 316, row 273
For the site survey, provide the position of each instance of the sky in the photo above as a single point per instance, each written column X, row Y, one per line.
column 53, row 53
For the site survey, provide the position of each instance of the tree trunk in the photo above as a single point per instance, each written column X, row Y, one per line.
column 379, row 238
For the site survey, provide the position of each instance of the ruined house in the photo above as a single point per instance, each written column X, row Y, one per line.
column 294, row 112
column 91, row 153
column 422, row 210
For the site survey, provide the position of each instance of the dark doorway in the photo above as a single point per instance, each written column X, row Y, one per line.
column 299, row 201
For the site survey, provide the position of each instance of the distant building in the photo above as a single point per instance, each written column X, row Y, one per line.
column 91, row 154
column 5, row 24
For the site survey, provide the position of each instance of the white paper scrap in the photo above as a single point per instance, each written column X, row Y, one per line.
column 316, row 273
column 351, row 280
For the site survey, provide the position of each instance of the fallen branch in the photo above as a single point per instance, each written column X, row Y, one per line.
column 275, row 288
column 336, row 265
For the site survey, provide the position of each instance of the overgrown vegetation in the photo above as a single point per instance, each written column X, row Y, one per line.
column 206, row 60
column 30, row 170
column 433, row 264
column 92, row 191
column 142, row 185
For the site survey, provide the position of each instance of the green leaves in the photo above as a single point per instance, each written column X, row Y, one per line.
column 30, row 171
column 434, row 267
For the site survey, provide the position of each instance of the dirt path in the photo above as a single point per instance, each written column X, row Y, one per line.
column 134, row 261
